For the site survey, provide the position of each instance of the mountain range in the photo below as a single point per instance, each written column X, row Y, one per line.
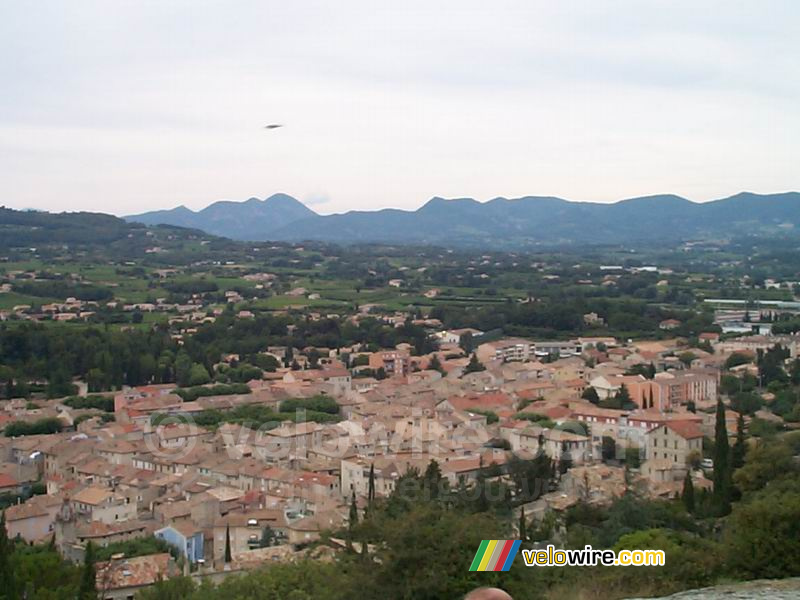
column 501, row 222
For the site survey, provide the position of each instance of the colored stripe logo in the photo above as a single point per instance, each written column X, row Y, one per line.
column 495, row 555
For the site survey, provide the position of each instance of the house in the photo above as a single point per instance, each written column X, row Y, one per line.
column 671, row 389
column 117, row 452
column 669, row 324
column 100, row 504
column 506, row 350
column 307, row 529
column 454, row 336
column 593, row 318
column 393, row 362
column 338, row 377
column 122, row 578
column 287, row 441
column 462, row 471
column 710, row 337
column 33, row 520
column 246, row 531
column 676, row 442
column 186, row 537
column 387, row 471
column 9, row 485
column 607, row 386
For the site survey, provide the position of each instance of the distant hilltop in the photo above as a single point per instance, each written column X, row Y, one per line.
column 498, row 223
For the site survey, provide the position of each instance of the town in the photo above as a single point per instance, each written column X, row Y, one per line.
column 180, row 408
column 228, row 484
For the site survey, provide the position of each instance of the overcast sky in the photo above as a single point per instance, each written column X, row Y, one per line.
column 124, row 107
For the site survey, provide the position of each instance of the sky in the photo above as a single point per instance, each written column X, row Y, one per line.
column 127, row 106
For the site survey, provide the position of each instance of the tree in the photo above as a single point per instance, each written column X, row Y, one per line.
column 523, row 531
column 183, row 368
column 88, row 584
column 267, row 537
column 530, row 478
column 765, row 463
column 746, row 402
column 353, row 520
column 623, row 396
column 198, row 375
column 722, row 471
column 474, row 365
column 590, row 394
column 565, row 461
column 794, row 372
column 59, row 384
column 313, row 358
column 762, row 536
column 7, row 580
column 609, row 448
column 175, row 588
column 96, row 380
column 435, row 364
column 739, row 448
column 288, row 356
column 687, row 496
column 371, row 488
column 432, row 480
column 228, row 556
column 736, row 359
column 466, row 342
column 633, row 458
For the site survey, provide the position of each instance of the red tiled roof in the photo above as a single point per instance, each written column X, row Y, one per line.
column 686, row 429
column 7, row 481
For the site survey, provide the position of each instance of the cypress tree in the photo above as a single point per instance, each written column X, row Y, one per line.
column 431, row 480
column 353, row 521
column 88, row 586
column 228, row 556
column 474, row 365
column 371, row 488
column 482, row 501
column 722, row 465
column 523, row 531
column 687, row 496
column 7, row 579
column 739, row 448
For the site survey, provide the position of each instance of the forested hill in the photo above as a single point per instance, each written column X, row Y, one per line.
column 92, row 231
column 24, row 228
column 501, row 223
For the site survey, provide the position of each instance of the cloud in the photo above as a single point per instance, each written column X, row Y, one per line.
column 316, row 199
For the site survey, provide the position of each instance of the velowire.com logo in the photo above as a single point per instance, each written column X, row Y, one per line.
column 495, row 555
